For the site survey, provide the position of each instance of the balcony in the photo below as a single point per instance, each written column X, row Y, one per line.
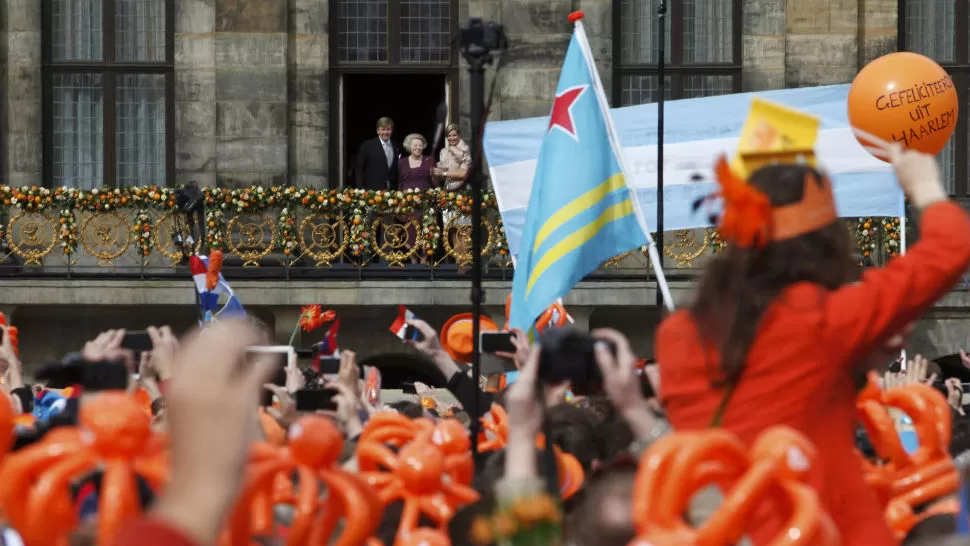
column 357, row 243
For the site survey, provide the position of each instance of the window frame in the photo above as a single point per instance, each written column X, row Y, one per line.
column 393, row 65
column 675, row 69
column 959, row 71
column 393, row 62
column 109, row 70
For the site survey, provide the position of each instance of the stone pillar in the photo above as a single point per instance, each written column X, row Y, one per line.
column 195, row 92
column 878, row 26
column 763, row 41
column 598, row 22
column 308, row 71
column 23, row 141
column 822, row 44
column 539, row 33
column 251, row 93
column 488, row 10
column 285, row 320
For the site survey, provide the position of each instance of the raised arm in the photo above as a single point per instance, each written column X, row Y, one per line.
column 862, row 315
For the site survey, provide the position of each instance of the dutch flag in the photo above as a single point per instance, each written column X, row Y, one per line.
column 328, row 347
column 209, row 300
column 400, row 326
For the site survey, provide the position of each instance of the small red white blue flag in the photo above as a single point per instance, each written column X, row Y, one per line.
column 328, row 347
column 400, row 326
column 209, row 299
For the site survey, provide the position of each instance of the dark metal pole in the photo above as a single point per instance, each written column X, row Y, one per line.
column 661, row 88
column 476, row 71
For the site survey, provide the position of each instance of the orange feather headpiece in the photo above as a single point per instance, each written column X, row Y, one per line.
column 749, row 220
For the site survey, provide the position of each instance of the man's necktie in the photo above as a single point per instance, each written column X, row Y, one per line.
column 387, row 152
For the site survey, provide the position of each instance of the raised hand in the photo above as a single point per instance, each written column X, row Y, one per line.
column 212, row 403
column 107, row 347
column 522, row 348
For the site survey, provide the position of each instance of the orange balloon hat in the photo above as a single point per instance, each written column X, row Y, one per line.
column 906, row 482
column 415, row 475
column 313, row 454
column 906, row 98
column 113, row 435
column 777, row 470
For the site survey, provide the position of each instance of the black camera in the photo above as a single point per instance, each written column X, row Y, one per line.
column 482, row 37
column 189, row 198
column 570, row 355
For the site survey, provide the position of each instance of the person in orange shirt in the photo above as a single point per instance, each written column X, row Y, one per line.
column 783, row 319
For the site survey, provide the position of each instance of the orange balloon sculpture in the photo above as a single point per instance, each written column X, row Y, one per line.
column 415, row 475
column 554, row 316
column 113, row 435
column 907, row 98
column 391, row 428
column 907, row 483
column 777, row 470
column 312, row 453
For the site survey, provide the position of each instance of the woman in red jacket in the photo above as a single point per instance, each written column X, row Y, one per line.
column 780, row 322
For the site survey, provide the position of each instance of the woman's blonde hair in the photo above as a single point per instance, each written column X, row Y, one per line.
column 410, row 138
column 453, row 127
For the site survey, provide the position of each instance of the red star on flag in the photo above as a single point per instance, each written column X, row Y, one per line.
column 562, row 110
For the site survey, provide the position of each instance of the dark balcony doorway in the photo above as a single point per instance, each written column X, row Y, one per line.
column 411, row 100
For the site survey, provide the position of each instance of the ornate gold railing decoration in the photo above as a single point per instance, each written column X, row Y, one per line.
column 304, row 226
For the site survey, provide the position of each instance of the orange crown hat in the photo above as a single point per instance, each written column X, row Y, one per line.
column 750, row 220
column 456, row 335
column 772, row 135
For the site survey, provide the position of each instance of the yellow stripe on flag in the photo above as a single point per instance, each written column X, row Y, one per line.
column 578, row 239
column 577, row 206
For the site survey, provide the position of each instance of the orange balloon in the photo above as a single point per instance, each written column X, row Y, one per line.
column 906, row 98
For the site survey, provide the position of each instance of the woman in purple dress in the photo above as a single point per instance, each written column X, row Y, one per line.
column 414, row 173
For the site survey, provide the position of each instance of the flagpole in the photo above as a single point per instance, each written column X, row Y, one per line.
column 661, row 88
column 479, row 41
column 663, row 291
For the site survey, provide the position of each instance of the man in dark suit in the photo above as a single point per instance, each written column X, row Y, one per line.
column 377, row 160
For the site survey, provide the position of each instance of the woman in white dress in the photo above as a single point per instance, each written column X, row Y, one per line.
column 453, row 167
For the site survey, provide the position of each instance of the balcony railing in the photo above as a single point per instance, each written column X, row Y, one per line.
column 300, row 233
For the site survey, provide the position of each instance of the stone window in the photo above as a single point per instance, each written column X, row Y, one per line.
column 938, row 29
column 109, row 83
column 396, row 32
column 702, row 49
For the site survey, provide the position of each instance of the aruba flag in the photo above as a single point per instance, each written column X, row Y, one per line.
column 581, row 212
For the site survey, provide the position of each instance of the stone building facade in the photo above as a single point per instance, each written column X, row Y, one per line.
column 240, row 92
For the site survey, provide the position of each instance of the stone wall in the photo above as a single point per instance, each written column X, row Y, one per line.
column 20, row 94
column 195, row 92
column 538, row 33
column 822, row 42
column 763, row 27
column 251, row 92
column 308, row 80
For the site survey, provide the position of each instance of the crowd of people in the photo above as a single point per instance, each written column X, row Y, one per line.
column 785, row 332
